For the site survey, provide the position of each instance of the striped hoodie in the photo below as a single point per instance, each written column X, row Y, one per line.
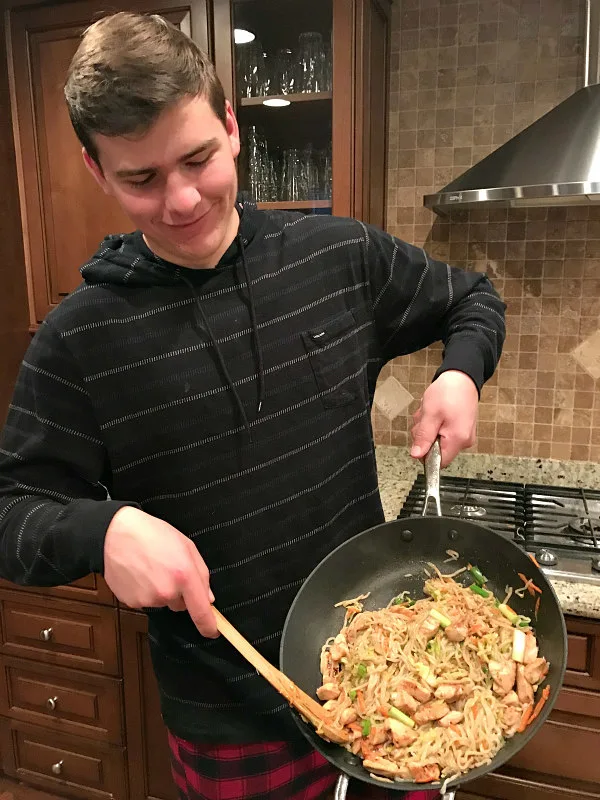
column 234, row 403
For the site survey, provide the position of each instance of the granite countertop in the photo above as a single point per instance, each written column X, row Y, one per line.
column 397, row 471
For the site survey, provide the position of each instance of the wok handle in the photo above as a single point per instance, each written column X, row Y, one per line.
column 341, row 790
column 432, row 464
column 341, row 787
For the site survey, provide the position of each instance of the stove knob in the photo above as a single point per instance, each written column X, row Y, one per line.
column 546, row 558
column 596, row 564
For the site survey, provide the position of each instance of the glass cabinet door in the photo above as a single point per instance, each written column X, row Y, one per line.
column 283, row 92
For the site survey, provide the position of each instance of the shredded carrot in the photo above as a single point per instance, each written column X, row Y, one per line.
column 533, row 558
column 529, row 584
column 360, row 702
column 537, row 606
column 354, row 726
column 367, row 752
column 383, row 711
column 455, row 729
column 525, row 719
column 540, row 704
column 475, row 708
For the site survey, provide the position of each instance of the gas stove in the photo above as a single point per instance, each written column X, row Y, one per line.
column 560, row 526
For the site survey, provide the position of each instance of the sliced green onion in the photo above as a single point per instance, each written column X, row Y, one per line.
column 366, row 727
column 477, row 574
column 401, row 717
column 352, row 694
column 361, row 671
column 508, row 613
column 518, row 648
column 441, row 618
column 478, row 590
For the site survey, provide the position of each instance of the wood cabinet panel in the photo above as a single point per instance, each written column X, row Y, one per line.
column 149, row 765
column 91, row 589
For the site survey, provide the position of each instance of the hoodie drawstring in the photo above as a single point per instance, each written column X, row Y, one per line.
column 259, row 355
column 214, row 342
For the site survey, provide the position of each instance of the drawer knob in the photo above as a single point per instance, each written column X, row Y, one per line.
column 57, row 768
column 51, row 702
column 46, row 634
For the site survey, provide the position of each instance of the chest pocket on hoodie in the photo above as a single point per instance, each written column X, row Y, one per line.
column 332, row 351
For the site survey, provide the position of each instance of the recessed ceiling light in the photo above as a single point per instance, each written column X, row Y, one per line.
column 241, row 36
column 276, row 102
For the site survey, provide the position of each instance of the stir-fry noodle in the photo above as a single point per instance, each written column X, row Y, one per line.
column 431, row 689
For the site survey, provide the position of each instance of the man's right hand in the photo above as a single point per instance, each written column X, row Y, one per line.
column 149, row 563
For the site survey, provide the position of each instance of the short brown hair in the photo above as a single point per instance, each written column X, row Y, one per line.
column 129, row 68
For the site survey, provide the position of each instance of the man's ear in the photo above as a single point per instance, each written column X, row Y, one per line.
column 231, row 126
column 93, row 168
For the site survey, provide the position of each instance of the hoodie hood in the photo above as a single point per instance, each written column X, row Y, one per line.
column 126, row 260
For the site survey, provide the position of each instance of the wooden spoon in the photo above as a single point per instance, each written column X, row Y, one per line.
column 310, row 710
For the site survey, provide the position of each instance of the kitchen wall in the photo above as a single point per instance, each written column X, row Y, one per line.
column 465, row 77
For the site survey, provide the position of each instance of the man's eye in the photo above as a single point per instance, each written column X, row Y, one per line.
column 144, row 182
column 196, row 164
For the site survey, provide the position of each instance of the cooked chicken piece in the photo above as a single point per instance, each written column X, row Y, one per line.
column 347, row 716
column 328, row 691
column 429, row 627
column 503, row 673
column 511, row 699
column 417, row 690
column 536, row 671
column 452, row 718
column 531, row 649
column 381, row 766
column 456, row 633
column 511, row 717
column 357, row 744
column 403, row 701
column 378, row 735
column 339, row 648
column 425, row 774
column 330, row 705
column 402, row 736
column 402, row 611
column 524, row 688
column 430, row 712
column 453, row 691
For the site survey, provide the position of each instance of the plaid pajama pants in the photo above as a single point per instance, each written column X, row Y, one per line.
column 269, row 770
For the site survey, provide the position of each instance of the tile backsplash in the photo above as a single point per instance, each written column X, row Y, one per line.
column 467, row 76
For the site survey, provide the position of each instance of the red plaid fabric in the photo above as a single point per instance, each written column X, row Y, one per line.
column 258, row 771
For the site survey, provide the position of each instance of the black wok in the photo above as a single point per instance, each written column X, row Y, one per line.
column 388, row 559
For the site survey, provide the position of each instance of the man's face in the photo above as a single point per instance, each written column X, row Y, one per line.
column 177, row 182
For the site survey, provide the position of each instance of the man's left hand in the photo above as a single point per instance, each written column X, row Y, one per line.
column 448, row 410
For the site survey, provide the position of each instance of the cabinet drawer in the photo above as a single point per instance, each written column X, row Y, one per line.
column 61, row 699
column 62, row 764
column 583, row 660
column 81, row 635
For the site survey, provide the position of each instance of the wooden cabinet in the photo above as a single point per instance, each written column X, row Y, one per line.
column 149, row 767
column 65, row 215
column 562, row 760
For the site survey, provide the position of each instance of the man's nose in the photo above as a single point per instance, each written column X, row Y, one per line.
column 181, row 198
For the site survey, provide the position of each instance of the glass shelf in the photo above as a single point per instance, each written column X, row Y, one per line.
column 285, row 158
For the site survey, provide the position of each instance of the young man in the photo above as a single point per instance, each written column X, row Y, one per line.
column 193, row 422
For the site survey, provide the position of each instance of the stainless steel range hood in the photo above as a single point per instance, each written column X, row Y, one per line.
column 555, row 161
